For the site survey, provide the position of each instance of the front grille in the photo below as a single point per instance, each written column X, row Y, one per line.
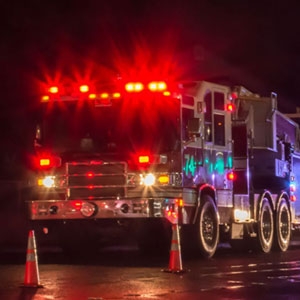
column 96, row 180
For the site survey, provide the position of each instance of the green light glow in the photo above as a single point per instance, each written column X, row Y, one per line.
column 219, row 165
column 229, row 161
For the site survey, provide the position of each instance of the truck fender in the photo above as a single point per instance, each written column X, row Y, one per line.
column 203, row 189
column 266, row 194
column 284, row 196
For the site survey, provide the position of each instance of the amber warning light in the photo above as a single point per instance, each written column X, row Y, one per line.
column 144, row 159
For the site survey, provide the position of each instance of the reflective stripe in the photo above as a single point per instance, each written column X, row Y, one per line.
column 31, row 257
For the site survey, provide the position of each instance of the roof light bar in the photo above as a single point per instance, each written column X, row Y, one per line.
column 53, row 90
column 134, row 87
column 84, row 88
column 157, row 86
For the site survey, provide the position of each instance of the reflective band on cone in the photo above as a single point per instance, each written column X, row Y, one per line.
column 31, row 278
column 175, row 263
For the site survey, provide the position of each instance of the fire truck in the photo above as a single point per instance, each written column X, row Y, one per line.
column 221, row 162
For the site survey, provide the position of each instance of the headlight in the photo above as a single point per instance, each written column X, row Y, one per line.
column 148, row 179
column 48, row 181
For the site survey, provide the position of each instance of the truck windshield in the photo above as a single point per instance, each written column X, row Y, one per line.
column 82, row 126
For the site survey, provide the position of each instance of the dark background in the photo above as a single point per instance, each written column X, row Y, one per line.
column 252, row 43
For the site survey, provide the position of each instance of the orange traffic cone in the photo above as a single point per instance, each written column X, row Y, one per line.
column 31, row 278
column 175, row 263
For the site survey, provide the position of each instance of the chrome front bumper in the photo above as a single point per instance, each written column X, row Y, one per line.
column 102, row 209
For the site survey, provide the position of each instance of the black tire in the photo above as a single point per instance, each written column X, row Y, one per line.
column 208, row 227
column 282, row 226
column 265, row 227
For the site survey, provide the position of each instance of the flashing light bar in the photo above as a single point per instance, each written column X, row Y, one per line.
column 116, row 95
column 157, row 86
column 84, row 88
column 153, row 86
column 104, row 95
column 45, row 98
column 53, row 90
column 69, row 93
column 134, row 87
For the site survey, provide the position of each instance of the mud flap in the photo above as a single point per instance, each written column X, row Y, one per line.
column 237, row 231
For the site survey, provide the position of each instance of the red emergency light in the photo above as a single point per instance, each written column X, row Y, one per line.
column 134, row 87
column 293, row 197
column 84, row 88
column 76, row 204
column 234, row 95
column 230, row 107
column 231, row 176
column 53, row 89
column 90, row 174
column 153, row 86
column 157, row 86
column 48, row 161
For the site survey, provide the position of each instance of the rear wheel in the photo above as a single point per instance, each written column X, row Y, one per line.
column 208, row 227
column 265, row 227
column 282, row 226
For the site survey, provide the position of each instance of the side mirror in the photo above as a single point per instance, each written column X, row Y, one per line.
column 38, row 137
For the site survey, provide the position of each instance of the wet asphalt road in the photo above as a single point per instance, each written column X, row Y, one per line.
column 121, row 272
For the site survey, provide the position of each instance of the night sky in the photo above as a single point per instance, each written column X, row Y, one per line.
column 255, row 45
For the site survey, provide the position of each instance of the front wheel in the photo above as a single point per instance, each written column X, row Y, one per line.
column 208, row 227
column 282, row 226
column 265, row 227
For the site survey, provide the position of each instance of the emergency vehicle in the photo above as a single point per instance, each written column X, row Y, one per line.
column 220, row 161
